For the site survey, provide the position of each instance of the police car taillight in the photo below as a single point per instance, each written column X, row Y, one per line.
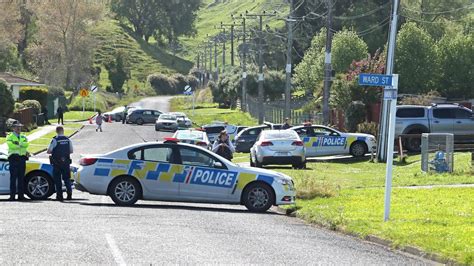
column 201, row 143
column 266, row 143
column 297, row 143
column 87, row 161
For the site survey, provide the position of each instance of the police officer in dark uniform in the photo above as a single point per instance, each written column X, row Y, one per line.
column 60, row 149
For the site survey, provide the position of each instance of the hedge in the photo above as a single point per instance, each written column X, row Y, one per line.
column 39, row 94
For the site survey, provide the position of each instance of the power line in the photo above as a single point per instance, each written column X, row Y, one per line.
column 431, row 22
column 368, row 13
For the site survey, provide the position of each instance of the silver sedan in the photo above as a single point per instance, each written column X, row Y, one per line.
column 278, row 147
column 166, row 122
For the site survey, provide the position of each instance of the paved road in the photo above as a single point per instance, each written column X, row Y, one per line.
column 91, row 229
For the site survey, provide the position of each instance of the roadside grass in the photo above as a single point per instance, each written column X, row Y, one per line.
column 206, row 113
column 438, row 220
column 72, row 116
column 43, row 142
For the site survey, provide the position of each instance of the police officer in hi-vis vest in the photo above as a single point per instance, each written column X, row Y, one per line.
column 17, row 156
column 60, row 149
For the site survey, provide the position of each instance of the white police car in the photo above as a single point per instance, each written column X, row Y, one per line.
column 182, row 172
column 323, row 141
column 38, row 178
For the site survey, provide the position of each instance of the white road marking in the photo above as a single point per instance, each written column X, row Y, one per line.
column 115, row 250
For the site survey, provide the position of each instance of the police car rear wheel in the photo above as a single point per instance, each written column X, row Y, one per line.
column 125, row 191
column 39, row 186
column 251, row 162
column 358, row 149
column 258, row 197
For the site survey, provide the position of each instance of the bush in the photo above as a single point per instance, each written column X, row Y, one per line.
column 6, row 100
column 34, row 93
column 204, row 96
column 56, row 92
column 422, row 99
column 181, row 82
column 162, row 84
column 368, row 128
column 33, row 104
column 355, row 114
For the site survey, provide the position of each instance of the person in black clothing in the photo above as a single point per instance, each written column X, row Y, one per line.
column 45, row 115
column 124, row 114
column 286, row 125
column 60, row 149
column 223, row 146
column 60, row 112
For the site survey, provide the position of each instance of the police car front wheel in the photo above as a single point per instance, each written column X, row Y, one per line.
column 258, row 197
column 39, row 186
column 125, row 191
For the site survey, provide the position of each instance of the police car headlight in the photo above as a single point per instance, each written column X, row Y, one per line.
column 284, row 181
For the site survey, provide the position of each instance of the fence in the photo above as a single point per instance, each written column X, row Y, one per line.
column 275, row 111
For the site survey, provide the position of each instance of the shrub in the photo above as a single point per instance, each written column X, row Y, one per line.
column 423, row 99
column 55, row 92
column 18, row 107
column 6, row 100
column 163, row 84
column 34, row 93
column 368, row 128
column 204, row 96
column 355, row 114
column 33, row 104
column 181, row 82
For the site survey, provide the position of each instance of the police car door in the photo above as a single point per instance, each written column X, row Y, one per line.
column 158, row 171
column 330, row 141
column 4, row 174
column 209, row 180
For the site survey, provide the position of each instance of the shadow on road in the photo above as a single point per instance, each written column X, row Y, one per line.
column 174, row 207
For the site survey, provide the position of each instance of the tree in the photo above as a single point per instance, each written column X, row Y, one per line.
column 62, row 54
column 347, row 47
column 180, row 16
column 119, row 70
column 6, row 100
column 456, row 55
column 415, row 60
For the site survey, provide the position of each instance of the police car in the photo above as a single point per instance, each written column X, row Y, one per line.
column 192, row 136
column 323, row 141
column 174, row 171
column 38, row 178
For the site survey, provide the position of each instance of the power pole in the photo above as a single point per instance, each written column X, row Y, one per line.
column 215, row 59
column 261, row 109
column 243, row 105
column 289, row 47
column 232, row 37
column 327, row 64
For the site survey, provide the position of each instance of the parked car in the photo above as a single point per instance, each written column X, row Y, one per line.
column 116, row 114
column 437, row 118
column 247, row 138
column 278, row 147
column 143, row 116
column 166, row 122
column 182, row 119
column 193, row 136
column 215, row 128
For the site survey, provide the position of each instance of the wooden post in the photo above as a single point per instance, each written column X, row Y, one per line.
column 400, row 149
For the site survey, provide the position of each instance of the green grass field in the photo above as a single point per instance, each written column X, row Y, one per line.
column 43, row 142
column 205, row 113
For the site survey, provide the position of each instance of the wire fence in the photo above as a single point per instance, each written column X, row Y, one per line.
column 275, row 111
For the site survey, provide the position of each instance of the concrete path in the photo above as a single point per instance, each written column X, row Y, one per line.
column 36, row 135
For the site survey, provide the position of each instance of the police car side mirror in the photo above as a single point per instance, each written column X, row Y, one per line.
column 218, row 165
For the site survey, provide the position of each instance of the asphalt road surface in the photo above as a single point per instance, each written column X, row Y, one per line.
column 92, row 230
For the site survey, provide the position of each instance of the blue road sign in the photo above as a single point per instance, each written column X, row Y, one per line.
column 367, row 79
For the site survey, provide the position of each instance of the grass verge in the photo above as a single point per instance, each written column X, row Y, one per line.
column 205, row 113
column 43, row 142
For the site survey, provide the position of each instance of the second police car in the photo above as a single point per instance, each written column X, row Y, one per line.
column 181, row 172
column 323, row 141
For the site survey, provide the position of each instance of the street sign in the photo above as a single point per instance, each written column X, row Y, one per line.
column 84, row 92
column 188, row 90
column 390, row 94
column 94, row 88
column 367, row 79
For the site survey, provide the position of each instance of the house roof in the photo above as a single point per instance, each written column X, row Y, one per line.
column 15, row 80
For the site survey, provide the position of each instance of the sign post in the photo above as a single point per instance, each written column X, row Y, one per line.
column 188, row 90
column 390, row 93
column 94, row 89
column 84, row 93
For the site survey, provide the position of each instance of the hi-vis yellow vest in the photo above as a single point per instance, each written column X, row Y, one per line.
column 20, row 148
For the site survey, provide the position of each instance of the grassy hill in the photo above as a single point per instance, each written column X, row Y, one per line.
column 145, row 58
column 213, row 12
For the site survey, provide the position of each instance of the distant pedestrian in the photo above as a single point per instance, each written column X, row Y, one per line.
column 60, row 149
column 17, row 156
column 45, row 115
column 286, row 125
column 99, row 119
column 223, row 146
column 124, row 114
column 60, row 113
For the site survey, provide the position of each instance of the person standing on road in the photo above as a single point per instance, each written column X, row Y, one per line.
column 17, row 156
column 286, row 125
column 124, row 114
column 60, row 113
column 223, row 146
column 45, row 115
column 99, row 119
column 60, row 149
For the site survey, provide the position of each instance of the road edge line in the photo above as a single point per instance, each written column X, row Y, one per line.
column 115, row 250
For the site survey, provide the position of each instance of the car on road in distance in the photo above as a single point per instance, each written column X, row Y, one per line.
column 323, row 141
column 175, row 171
column 278, row 147
column 143, row 116
column 166, row 121
column 115, row 115
column 193, row 136
column 437, row 118
column 39, row 183
column 182, row 119
column 247, row 137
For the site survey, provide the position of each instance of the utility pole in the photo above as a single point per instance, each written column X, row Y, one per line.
column 223, row 39
column 215, row 59
column 232, row 37
column 289, row 47
column 327, row 64
column 261, row 106
column 243, row 105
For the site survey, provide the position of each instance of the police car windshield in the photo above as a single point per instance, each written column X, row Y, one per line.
column 189, row 135
column 167, row 117
column 280, row 134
